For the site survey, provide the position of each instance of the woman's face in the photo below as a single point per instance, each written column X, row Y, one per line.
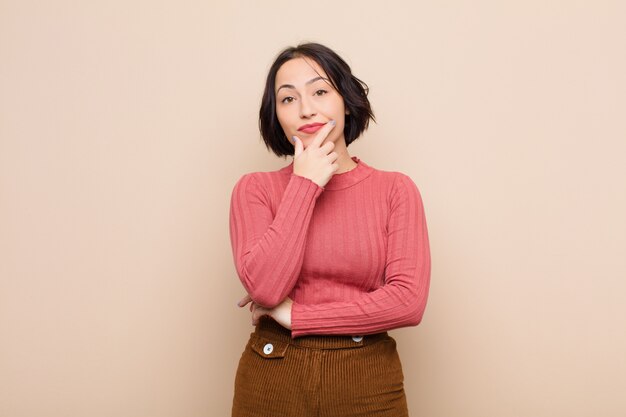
column 302, row 97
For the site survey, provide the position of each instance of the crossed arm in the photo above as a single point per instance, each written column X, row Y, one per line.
column 399, row 302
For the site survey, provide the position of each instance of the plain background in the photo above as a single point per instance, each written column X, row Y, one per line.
column 125, row 124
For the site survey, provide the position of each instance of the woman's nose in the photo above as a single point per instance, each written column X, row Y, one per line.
column 306, row 107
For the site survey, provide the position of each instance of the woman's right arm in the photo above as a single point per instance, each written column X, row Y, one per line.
column 268, row 250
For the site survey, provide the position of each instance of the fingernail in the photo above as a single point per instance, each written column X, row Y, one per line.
column 332, row 122
column 293, row 138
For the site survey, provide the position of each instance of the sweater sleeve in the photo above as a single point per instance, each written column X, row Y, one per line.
column 401, row 300
column 268, row 250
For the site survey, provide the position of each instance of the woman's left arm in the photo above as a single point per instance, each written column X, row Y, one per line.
column 401, row 301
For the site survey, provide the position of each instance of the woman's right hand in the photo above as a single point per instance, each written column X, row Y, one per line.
column 316, row 162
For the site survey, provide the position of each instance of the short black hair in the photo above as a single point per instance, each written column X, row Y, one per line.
column 353, row 91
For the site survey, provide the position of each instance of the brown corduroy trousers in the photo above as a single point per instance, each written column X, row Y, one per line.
column 321, row 376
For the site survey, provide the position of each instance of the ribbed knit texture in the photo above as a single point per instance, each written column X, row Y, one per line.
column 352, row 255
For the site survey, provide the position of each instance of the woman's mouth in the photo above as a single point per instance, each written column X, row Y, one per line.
column 312, row 129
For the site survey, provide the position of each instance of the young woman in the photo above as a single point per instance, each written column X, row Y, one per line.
column 332, row 252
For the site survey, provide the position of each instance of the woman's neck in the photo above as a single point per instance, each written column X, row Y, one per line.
column 344, row 160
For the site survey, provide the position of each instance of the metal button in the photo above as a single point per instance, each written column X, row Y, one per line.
column 269, row 348
column 357, row 338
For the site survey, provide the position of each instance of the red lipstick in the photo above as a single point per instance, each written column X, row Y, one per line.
column 310, row 128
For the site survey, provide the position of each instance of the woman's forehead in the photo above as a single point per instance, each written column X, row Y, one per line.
column 299, row 71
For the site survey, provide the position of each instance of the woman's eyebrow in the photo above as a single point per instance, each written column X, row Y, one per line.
column 307, row 83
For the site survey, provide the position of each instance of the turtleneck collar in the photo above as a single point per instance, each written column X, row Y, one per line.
column 344, row 179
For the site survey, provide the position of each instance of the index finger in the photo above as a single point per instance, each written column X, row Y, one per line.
column 322, row 133
column 245, row 300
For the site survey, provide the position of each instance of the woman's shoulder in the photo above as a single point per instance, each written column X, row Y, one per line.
column 394, row 177
column 399, row 184
column 263, row 179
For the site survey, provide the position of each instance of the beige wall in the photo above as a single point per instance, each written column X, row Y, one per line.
column 125, row 124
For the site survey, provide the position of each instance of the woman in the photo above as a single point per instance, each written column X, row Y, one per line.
column 332, row 252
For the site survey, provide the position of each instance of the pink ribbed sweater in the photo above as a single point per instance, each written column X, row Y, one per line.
column 353, row 255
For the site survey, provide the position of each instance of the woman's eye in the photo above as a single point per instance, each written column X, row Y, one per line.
column 289, row 99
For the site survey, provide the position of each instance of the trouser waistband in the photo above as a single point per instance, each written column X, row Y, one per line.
column 270, row 329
